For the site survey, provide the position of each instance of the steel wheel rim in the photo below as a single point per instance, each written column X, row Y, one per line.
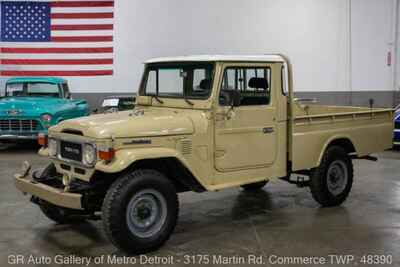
column 337, row 177
column 146, row 213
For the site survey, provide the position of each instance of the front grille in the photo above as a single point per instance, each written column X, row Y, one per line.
column 18, row 125
column 71, row 151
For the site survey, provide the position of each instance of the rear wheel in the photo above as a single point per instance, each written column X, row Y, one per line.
column 254, row 186
column 140, row 211
column 331, row 182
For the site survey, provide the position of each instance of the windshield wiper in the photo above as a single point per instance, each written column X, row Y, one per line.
column 158, row 99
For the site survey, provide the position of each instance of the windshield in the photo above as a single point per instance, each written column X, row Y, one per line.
column 33, row 89
column 178, row 80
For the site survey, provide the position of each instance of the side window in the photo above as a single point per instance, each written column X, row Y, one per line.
column 254, row 85
column 151, row 85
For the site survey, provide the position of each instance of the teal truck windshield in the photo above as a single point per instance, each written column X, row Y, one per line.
column 33, row 89
column 179, row 80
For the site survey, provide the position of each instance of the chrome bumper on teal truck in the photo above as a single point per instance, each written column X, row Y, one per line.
column 15, row 129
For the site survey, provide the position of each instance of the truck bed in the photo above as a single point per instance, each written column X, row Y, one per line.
column 314, row 127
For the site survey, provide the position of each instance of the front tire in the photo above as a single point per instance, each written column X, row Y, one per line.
column 61, row 215
column 140, row 211
column 55, row 213
column 331, row 182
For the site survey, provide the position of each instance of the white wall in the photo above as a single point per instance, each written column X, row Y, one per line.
column 372, row 38
column 313, row 33
column 397, row 67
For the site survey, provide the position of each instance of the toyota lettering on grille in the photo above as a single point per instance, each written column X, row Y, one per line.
column 72, row 150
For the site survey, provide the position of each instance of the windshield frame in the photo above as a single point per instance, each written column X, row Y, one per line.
column 177, row 64
column 24, row 89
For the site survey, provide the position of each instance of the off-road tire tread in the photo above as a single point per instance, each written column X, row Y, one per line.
column 318, row 185
column 61, row 215
column 55, row 213
column 112, row 197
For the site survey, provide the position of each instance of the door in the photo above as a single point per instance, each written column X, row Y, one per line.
column 245, row 136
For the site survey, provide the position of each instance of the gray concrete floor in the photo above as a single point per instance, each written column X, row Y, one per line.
column 280, row 220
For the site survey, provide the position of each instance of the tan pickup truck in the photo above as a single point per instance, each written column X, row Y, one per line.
column 201, row 123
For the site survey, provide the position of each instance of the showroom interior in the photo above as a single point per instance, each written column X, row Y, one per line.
column 97, row 52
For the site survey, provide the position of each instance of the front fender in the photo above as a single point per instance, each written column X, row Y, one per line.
column 125, row 157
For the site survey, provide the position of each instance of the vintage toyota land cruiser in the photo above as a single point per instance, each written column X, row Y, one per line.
column 201, row 123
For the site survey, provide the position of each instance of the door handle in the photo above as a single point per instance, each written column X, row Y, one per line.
column 268, row 130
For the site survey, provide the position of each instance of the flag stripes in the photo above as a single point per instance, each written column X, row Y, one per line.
column 83, row 28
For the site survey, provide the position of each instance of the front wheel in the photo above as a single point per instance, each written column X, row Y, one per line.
column 140, row 211
column 331, row 182
column 61, row 215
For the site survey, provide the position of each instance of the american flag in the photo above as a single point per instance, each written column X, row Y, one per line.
column 56, row 38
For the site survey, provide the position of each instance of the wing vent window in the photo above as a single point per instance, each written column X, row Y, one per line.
column 186, row 147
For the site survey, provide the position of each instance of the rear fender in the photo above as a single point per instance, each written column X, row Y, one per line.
column 331, row 141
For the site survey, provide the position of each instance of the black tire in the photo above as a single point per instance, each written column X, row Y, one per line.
column 325, row 191
column 61, row 215
column 116, row 214
column 49, row 171
column 254, row 186
column 55, row 213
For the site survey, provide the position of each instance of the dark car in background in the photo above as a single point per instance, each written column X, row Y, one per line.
column 396, row 134
column 117, row 103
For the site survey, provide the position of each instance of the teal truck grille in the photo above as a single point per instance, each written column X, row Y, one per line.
column 17, row 125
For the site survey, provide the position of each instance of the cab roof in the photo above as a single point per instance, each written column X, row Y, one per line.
column 53, row 80
column 214, row 58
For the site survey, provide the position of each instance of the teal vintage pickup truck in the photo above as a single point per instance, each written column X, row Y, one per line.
column 31, row 105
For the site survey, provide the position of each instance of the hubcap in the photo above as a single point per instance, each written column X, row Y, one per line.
column 146, row 213
column 337, row 177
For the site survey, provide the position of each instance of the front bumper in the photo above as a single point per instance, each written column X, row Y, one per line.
column 11, row 137
column 50, row 194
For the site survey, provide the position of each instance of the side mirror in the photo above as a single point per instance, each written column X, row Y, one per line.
column 229, row 98
column 234, row 97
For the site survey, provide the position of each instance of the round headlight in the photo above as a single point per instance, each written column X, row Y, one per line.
column 89, row 154
column 46, row 119
column 52, row 145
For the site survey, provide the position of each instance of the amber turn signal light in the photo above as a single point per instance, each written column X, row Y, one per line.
column 42, row 139
column 107, row 155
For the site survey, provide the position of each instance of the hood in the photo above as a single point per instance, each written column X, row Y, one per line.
column 32, row 106
column 128, row 124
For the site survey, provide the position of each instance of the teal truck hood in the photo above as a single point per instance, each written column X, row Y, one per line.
column 34, row 106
